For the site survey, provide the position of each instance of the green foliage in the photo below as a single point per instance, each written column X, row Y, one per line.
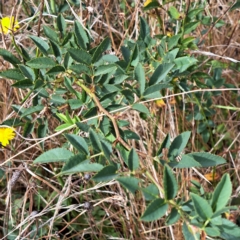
column 155, row 210
column 170, row 184
column 54, row 155
column 68, row 70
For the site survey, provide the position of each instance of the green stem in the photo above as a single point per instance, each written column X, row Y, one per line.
column 154, row 181
column 17, row 48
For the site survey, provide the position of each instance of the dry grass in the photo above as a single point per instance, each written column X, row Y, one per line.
column 26, row 186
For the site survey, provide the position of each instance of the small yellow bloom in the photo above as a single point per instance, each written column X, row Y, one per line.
column 6, row 134
column 212, row 176
column 160, row 103
column 8, row 24
column 147, row 3
column 169, row 34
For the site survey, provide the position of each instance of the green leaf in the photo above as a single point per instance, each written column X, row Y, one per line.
column 19, row 110
column 102, row 47
column 220, row 212
column 28, row 72
column 81, row 35
column 173, row 13
column 108, row 58
column 222, row 193
column 173, row 217
column 140, row 108
column 106, row 148
column 61, row 24
column 56, row 70
column 54, row 155
column 80, row 68
column 165, row 144
column 229, row 230
column 75, row 2
column 155, row 88
column 126, row 53
column 13, row 74
column 105, row 126
column 68, row 40
column 212, row 231
column 96, row 144
column 236, row 5
column 135, row 56
column 26, row 83
column 151, row 192
column 160, row 73
column 83, row 126
column 169, row 183
column 78, row 142
column 133, row 160
column 67, row 117
column 140, row 77
column 187, row 40
column 189, row 27
column 123, row 152
column 207, row 159
column 173, row 41
column 63, row 118
column 105, row 69
column 183, row 63
column 155, row 210
column 91, row 112
column 189, row 234
column 129, row 95
column 41, row 62
column 9, row 57
column 178, row 144
column 50, row 33
column 185, row 162
column 106, row 174
column 67, row 62
column 25, row 53
column 28, row 129
column 31, row 110
column 63, row 127
column 80, row 56
column 131, row 135
column 144, row 29
column 78, row 163
column 58, row 99
column 41, row 44
column 170, row 55
column 151, row 5
column 75, row 103
column 192, row 13
column 42, row 131
column 56, row 51
column 130, row 183
column 202, row 207
column 217, row 220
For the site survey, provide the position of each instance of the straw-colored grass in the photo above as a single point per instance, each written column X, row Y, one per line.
column 106, row 207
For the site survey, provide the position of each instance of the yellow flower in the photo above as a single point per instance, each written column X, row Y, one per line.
column 147, row 3
column 160, row 103
column 169, row 34
column 212, row 176
column 8, row 24
column 6, row 134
